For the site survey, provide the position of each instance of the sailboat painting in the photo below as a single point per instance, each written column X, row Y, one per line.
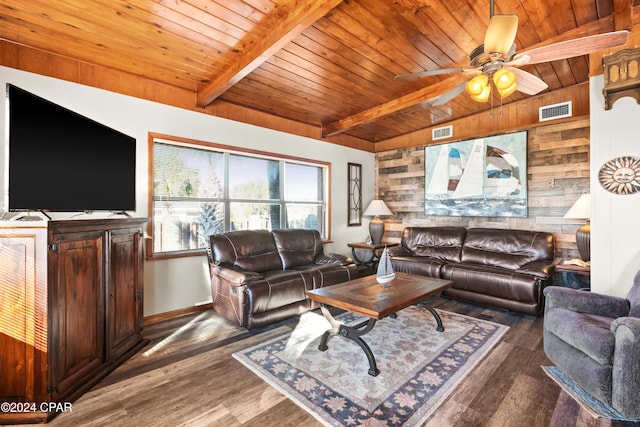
column 480, row 177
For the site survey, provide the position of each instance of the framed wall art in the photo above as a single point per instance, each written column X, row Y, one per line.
column 479, row 177
column 354, row 204
column 621, row 175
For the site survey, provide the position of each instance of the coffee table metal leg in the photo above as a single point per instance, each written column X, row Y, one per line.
column 439, row 328
column 354, row 333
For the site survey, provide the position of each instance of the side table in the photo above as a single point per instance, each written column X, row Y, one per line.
column 371, row 251
column 575, row 276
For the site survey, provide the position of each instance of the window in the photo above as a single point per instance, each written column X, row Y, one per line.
column 200, row 188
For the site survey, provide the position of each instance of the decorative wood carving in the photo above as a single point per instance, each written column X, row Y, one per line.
column 621, row 76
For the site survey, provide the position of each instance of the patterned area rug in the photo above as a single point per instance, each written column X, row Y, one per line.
column 419, row 367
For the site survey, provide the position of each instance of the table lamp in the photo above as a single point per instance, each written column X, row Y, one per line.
column 581, row 209
column 376, row 209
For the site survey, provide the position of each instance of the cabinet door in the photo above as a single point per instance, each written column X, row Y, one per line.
column 124, row 285
column 77, row 292
column 23, row 340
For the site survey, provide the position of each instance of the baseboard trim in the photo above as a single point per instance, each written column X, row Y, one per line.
column 160, row 317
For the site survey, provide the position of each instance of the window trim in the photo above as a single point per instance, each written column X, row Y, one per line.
column 153, row 136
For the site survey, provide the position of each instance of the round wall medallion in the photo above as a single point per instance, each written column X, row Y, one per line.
column 621, row 175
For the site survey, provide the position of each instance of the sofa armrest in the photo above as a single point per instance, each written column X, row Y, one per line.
column 337, row 259
column 399, row 251
column 543, row 270
column 235, row 276
column 585, row 302
column 625, row 393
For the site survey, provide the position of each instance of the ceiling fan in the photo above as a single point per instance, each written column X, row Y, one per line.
column 494, row 63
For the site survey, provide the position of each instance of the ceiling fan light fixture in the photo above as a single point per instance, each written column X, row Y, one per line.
column 478, row 88
column 504, row 79
column 505, row 82
column 477, row 85
column 482, row 96
column 508, row 91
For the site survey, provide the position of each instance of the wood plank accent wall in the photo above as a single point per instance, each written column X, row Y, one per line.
column 557, row 173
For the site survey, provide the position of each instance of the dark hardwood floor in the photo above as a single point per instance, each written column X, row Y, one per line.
column 186, row 376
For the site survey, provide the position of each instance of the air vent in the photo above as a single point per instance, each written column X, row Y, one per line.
column 441, row 133
column 555, row 111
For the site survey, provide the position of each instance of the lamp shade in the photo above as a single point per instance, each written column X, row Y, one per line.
column 581, row 209
column 505, row 81
column 504, row 78
column 476, row 85
column 377, row 208
column 478, row 88
column 508, row 91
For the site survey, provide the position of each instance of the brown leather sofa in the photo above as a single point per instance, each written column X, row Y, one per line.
column 259, row 277
column 502, row 268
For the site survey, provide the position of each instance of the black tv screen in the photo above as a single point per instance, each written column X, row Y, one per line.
column 59, row 160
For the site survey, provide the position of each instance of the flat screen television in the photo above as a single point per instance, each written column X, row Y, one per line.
column 59, row 160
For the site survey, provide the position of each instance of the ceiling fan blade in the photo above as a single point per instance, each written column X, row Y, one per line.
column 448, row 96
column 527, row 82
column 571, row 48
column 435, row 72
column 500, row 35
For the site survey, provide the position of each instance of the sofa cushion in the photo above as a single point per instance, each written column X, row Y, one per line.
column 329, row 274
column 506, row 248
column 252, row 250
column 442, row 243
column 279, row 288
column 421, row 266
column 297, row 247
column 494, row 281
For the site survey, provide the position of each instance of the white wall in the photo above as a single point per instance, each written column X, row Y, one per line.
column 615, row 229
column 183, row 282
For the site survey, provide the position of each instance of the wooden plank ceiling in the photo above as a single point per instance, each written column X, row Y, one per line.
column 325, row 63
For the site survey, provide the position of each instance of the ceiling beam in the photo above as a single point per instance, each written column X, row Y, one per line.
column 299, row 16
column 603, row 25
column 392, row 106
column 622, row 15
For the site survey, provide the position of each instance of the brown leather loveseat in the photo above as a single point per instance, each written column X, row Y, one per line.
column 502, row 268
column 259, row 277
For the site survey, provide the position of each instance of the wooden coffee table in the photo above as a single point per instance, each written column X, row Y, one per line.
column 367, row 297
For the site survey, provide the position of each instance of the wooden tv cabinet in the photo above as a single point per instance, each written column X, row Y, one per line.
column 70, row 310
